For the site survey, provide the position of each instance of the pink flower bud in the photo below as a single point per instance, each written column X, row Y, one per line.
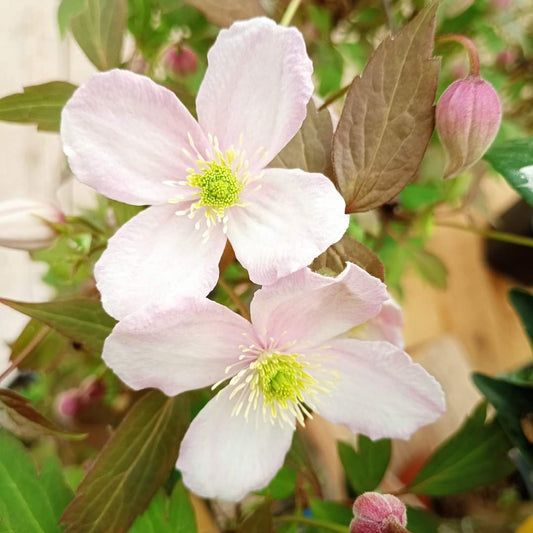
column 69, row 403
column 93, row 389
column 506, row 58
column 23, row 226
column 468, row 117
column 378, row 513
column 180, row 61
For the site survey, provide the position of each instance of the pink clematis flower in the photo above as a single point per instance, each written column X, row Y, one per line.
column 290, row 361
column 134, row 141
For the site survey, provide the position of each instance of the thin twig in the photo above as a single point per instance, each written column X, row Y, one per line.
column 235, row 299
column 489, row 234
column 335, row 96
column 290, row 12
column 22, row 355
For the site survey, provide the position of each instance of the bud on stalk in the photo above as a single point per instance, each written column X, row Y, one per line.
column 23, row 224
column 180, row 61
column 468, row 116
column 378, row 513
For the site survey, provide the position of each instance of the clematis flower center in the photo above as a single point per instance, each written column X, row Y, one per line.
column 283, row 386
column 219, row 187
column 281, row 378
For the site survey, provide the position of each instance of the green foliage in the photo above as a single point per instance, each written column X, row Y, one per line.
column 18, row 416
column 29, row 502
column 174, row 514
column 476, row 455
column 513, row 401
column 83, row 321
column 420, row 521
column 282, row 485
column 131, row 467
column 522, row 301
column 365, row 467
column 514, row 161
column 331, row 512
column 429, row 266
column 38, row 104
column 98, row 27
column 382, row 135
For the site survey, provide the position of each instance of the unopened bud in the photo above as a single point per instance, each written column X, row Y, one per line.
column 23, row 224
column 468, row 117
column 69, row 403
column 378, row 513
column 180, row 61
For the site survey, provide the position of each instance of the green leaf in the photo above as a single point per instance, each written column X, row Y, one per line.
column 43, row 343
column 522, row 301
column 310, row 148
column 66, row 10
column 38, row 104
column 182, row 518
column 131, row 467
column 331, row 512
column 83, row 321
column 99, row 29
column 168, row 515
column 28, row 504
column 429, row 266
column 514, row 161
column 365, row 467
column 476, row 455
column 334, row 259
column 420, row 521
column 54, row 482
column 513, row 403
column 282, row 485
column 388, row 117
column 260, row 521
column 417, row 195
column 18, row 416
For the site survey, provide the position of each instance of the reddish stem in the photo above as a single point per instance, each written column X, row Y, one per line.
column 473, row 54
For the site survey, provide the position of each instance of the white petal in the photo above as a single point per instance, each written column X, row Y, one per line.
column 176, row 348
column 157, row 257
column 287, row 222
column 226, row 457
column 313, row 309
column 124, row 136
column 257, row 86
column 380, row 393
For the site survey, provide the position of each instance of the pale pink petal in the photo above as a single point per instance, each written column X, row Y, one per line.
column 184, row 346
column 387, row 326
column 380, row 392
column 288, row 221
column 312, row 308
column 124, row 136
column 257, row 86
column 156, row 257
column 226, row 457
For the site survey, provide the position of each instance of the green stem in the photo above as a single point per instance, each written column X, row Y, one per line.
column 473, row 54
column 489, row 234
column 324, row 526
column 335, row 96
column 234, row 298
column 290, row 12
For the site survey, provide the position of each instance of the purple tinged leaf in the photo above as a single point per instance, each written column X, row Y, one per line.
column 388, row 117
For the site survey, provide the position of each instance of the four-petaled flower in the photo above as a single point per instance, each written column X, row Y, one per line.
column 295, row 358
column 134, row 141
